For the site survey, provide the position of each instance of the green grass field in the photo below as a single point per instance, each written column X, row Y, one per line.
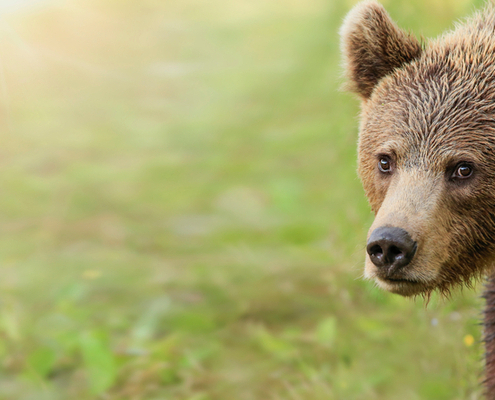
column 180, row 216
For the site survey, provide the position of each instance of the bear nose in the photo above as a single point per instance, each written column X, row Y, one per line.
column 391, row 247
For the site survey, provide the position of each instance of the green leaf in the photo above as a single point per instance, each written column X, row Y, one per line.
column 326, row 331
column 99, row 361
column 278, row 347
column 42, row 360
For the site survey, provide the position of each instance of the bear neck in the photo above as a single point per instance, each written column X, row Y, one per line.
column 489, row 337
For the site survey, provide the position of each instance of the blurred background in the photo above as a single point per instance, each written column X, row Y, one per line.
column 180, row 216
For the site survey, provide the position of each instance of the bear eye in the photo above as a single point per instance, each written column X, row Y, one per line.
column 462, row 171
column 385, row 164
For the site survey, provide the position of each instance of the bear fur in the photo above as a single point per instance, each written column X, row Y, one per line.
column 429, row 109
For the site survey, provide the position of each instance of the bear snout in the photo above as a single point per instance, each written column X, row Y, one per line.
column 390, row 249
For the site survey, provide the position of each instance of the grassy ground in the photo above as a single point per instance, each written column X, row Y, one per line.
column 180, row 216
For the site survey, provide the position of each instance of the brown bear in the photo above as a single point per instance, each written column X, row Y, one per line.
column 426, row 154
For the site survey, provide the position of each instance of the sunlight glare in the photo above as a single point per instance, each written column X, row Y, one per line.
column 7, row 6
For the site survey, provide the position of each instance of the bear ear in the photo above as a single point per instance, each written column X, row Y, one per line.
column 373, row 46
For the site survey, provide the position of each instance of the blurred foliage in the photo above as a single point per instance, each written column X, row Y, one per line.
column 180, row 216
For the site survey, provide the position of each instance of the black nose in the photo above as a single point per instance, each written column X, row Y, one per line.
column 391, row 247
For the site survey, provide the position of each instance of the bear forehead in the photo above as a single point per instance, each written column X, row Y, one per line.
column 446, row 97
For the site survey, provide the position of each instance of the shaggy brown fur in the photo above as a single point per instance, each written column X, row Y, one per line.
column 428, row 111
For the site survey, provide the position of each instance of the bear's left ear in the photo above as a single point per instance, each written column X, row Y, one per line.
column 373, row 46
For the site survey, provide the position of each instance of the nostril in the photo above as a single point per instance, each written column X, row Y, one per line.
column 375, row 250
column 394, row 252
column 376, row 254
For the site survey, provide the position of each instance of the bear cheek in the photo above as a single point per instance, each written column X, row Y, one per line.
column 473, row 239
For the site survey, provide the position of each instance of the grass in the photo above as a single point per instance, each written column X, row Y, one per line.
column 180, row 216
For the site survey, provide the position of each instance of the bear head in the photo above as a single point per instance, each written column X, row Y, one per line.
column 426, row 153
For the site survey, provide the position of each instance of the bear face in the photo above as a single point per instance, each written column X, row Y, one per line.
column 426, row 153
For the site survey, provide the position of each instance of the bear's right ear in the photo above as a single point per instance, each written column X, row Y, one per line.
column 373, row 46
